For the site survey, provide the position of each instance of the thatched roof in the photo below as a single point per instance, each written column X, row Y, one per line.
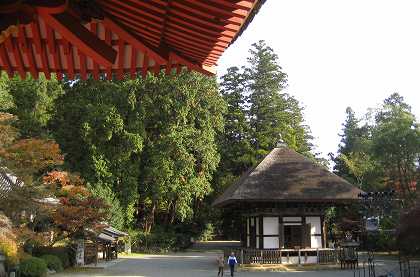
column 287, row 176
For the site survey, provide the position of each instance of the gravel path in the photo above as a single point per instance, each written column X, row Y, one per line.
column 184, row 265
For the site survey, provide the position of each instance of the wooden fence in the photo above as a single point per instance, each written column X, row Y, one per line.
column 284, row 256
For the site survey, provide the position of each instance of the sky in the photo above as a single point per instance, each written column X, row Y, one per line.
column 337, row 54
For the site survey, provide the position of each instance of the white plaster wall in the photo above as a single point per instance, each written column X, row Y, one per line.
column 315, row 221
column 291, row 260
column 271, row 225
column 309, row 260
column 271, row 242
column 316, row 242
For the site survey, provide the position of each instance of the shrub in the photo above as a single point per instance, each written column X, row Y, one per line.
column 53, row 262
column 33, row 267
column 207, row 233
column 161, row 239
column 63, row 253
column 9, row 248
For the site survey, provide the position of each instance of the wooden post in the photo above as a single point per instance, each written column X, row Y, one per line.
column 323, row 233
column 299, row 256
column 280, row 256
column 261, row 231
column 317, row 255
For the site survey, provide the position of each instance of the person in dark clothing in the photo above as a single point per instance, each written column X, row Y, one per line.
column 232, row 262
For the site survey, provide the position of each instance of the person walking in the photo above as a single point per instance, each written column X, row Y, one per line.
column 221, row 264
column 232, row 262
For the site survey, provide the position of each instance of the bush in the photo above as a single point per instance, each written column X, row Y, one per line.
column 161, row 239
column 53, row 262
column 9, row 248
column 63, row 253
column 207, row 233
column 33, row 267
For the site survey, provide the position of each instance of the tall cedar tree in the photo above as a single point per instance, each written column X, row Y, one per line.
column 354, row 139
column 235, row 147
column 259, row 116
column 274, row 116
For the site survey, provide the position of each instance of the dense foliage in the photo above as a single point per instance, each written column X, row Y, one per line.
column 150, row 155
column 53, row 262
column 33, row 267
column 152, row 149
column 382, row 153
column 146, row 146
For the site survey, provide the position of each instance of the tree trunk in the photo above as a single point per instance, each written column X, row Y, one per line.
column 150, row 218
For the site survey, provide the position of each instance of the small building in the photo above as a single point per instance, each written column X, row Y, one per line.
column 283, row 201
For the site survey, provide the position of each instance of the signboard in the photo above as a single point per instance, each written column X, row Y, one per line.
column 80, row 253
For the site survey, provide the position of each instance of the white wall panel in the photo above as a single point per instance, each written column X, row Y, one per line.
column 271, row 225
column 316, row 242
column 271, row 242
column 315, row 221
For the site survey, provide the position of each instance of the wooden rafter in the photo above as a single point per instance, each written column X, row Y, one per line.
column 125, row 37
column 70, row 28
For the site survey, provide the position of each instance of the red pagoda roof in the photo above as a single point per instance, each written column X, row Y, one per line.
column 118, row 37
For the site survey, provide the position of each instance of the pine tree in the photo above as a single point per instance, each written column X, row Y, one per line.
column 346, row 145
column 274, row 116
column 234, row 143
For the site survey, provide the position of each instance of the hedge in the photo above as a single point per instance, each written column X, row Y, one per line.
column 33, row 267
column 53, row 262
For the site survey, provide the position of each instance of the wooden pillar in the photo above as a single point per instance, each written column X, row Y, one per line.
column 323, row 232
column 244, row 235
column 281, row 233
column 261, row 231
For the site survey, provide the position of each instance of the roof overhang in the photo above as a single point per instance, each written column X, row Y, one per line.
column 330, row 202
column 115, row 38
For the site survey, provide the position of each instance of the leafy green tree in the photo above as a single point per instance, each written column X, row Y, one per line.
column 32, row 101
column 6, row 100
column 396, row 144
column 184, row 115
column 384, row 154
column 99, row 125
